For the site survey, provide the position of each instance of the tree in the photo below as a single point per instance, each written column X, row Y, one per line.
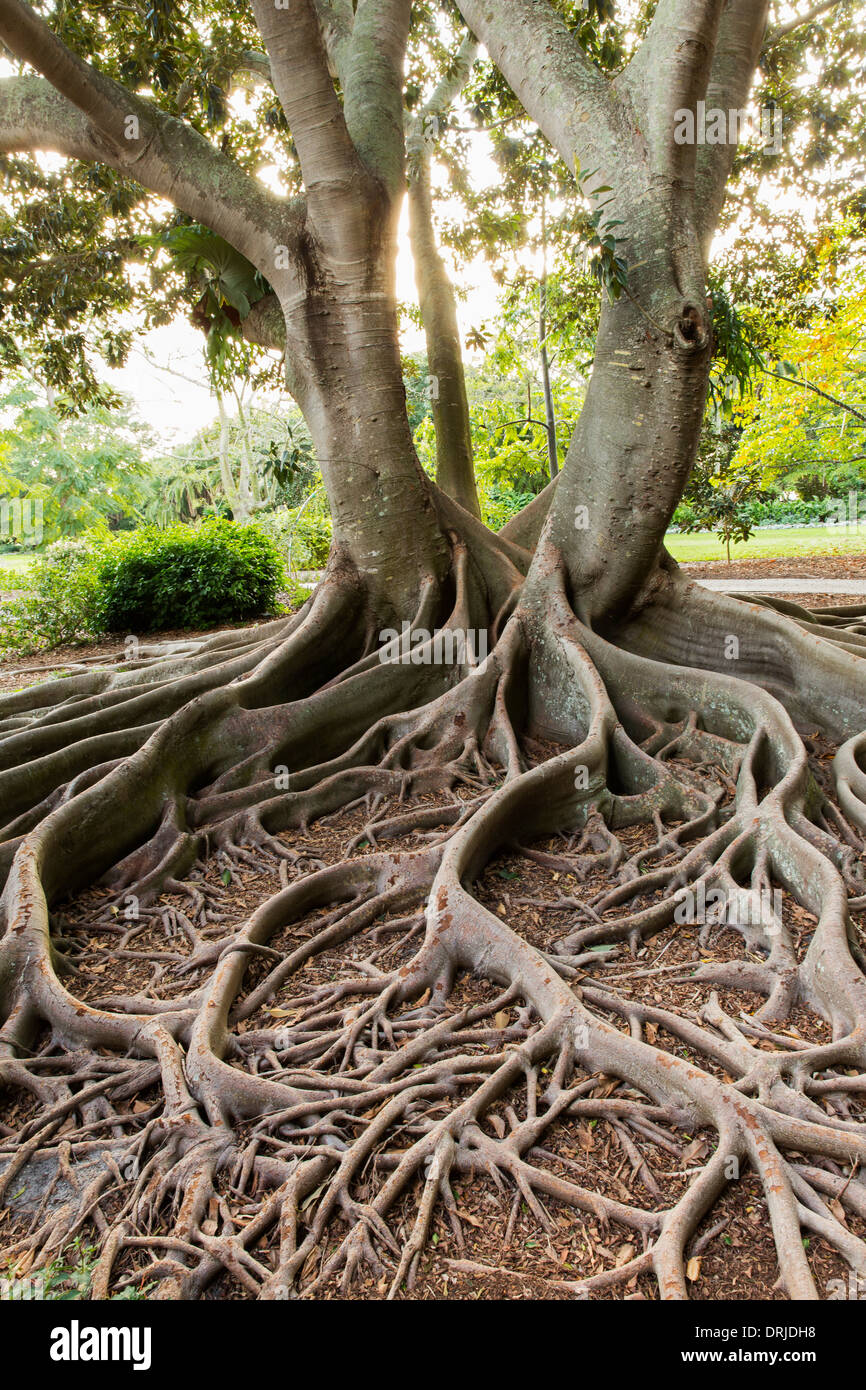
column 449, row 403
column 667, row 705
column 805, row 423
column 254, row 459
column 83, row 470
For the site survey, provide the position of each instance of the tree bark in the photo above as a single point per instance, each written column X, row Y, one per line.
column 455, row 471
column 630, row 455
column 637, row 436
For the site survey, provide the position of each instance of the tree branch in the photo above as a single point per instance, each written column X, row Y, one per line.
column 446, row 92
column 265, row 324
column 559, row 87
column 779, row 31
column 373, row 87
column 299, row 65
column 336, row 18
column 810, row 386
column 741, row 34
column 670, row 73
column 82, row 113
column 441, row 98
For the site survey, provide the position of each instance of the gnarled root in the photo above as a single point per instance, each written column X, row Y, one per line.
column 313, row 1084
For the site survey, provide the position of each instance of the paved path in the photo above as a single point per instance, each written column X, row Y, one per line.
column 787, row 586
column 807, row 585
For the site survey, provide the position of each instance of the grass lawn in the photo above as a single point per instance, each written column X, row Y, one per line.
column 766, row 544
column 17, row 563
column 13, row 569
column 769, row 544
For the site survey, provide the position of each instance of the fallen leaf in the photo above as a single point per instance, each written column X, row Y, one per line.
column 693, row 1268
column 698, row 1148
column 585, row 1137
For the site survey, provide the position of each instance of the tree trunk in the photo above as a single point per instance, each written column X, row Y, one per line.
column 634, row 445
column 344, row 371
column 232, row 495
column 455, row 471
column 549, row 412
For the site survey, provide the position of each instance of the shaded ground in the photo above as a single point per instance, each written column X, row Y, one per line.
column 17, row 672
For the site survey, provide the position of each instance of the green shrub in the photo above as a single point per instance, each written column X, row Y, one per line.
column 500, row 503
column 69, row 1277
column 188, row 576
column 143, row 581
column 769, row 511
column 59, row 600
column 314, row 533
column 12, row 580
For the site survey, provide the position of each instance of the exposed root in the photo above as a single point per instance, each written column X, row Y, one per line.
column 288, row 1104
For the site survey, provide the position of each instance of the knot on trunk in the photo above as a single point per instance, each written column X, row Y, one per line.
column 692, row 331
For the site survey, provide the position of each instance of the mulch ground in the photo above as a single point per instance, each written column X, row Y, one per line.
column 848, row 566
column 800, row 567
column 17, row 672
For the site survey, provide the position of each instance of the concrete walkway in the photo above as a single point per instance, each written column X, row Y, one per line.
column 787, row 586
column 807, row 585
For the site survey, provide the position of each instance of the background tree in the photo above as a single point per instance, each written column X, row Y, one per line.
column 85, row 470
column 438, row 308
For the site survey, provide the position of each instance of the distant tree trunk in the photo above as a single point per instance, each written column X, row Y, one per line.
column 455, row 471
column 230, row 489
column 549, row 412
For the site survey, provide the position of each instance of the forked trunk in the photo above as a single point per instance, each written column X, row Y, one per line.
column 631, row 454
